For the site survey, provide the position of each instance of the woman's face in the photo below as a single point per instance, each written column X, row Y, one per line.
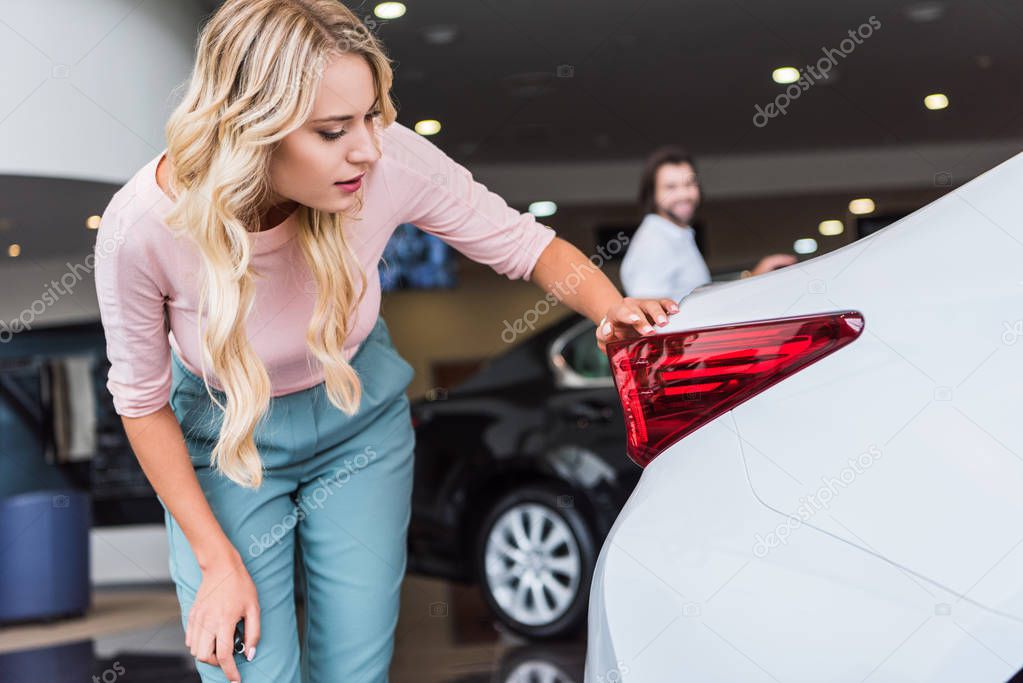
column 335, row 144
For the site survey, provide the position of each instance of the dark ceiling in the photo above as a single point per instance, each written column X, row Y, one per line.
column 636, row 74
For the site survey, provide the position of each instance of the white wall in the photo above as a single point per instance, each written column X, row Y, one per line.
column 87, row 86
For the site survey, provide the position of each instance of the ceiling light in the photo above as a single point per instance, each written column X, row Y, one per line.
column 428, row 127
column 936, row 101
column 831, row 228
column 541, row 209
column 92, row 222
column 389, row 10
column 924, row 12
column 785, row 74
column 441, row 34
column 862, row 206
column 807, row 245
column 14, row 250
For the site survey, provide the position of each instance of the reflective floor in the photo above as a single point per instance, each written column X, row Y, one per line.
column 445, row 635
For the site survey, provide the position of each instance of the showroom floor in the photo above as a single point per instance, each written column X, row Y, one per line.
column 134, row 634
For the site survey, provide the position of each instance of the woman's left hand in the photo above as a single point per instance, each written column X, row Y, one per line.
column 634, row 318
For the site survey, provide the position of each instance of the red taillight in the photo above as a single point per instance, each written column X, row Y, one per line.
column 671, row 384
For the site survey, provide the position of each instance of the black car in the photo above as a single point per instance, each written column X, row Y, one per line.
column 520, row 472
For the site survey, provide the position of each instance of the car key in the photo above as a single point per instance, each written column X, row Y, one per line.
column 239, row 639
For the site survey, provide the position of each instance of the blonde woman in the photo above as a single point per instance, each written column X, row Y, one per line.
column 271, row 413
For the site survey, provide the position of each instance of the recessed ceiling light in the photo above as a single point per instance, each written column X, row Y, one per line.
column 14, row 250
column 830, row 228
column 541, row 209
column 785, row 74
column 389, row 10
column 936, row 101
column 92, row 222
column 862, row 206
column 806, row 245
column 440, row 34
column 428, row 127
column 925, row 12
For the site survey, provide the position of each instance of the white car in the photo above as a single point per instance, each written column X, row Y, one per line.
column 834, row 490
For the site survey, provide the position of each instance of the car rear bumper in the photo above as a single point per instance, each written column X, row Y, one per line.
column 700, row 579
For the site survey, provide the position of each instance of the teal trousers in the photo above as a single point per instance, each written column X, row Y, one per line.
column 336, row 496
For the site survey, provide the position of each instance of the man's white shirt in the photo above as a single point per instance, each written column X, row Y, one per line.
column 662, row 261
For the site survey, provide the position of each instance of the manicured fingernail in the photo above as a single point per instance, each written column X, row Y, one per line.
column 606, row 329
column 634, row 318
column 252, row 653
column 661, row 319
column 647, row 329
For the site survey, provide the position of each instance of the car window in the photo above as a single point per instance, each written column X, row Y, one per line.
column 584, row 356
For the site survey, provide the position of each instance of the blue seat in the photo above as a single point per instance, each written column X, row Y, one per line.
column 44, row 555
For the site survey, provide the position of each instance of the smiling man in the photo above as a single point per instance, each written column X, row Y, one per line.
column 663, row 259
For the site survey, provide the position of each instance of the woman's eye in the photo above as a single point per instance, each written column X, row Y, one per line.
column 334, row 136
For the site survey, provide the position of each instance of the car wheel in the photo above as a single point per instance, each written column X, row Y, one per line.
column 541, row 664
column 535, row 557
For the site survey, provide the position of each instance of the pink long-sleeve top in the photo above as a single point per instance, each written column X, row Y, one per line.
column 142, row 270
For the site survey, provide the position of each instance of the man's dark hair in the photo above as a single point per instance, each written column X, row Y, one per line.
column 669, row 154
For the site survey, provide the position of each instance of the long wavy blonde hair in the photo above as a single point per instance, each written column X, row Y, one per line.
column 257, row 71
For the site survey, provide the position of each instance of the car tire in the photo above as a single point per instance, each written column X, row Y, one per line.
column 551, row 663
column 534, row 559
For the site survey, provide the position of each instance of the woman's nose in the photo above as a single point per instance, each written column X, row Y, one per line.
column 365, row 150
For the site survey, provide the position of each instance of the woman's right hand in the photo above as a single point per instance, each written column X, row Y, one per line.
column 226, row 595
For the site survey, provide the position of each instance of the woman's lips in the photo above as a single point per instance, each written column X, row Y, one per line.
column 350, row 185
